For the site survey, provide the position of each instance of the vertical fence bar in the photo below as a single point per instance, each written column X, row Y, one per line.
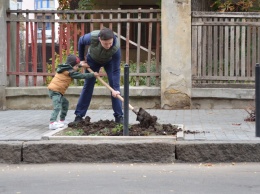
column 221, row 49
column 226, row 52
column 32, row 45
column 126, row 100
column 35, row 48
column 44, row 65
column 27, row 50
column 91, row 24
column 53, row 38
column 210, row 48
column 138, row 54
column 199, row 49
column 150, row 30
column 254, row 49
column 215, row 48
column 119, row 25
column 238, row 35
column 232, row 49
column 68, row 39
column 61, row 41
column 248, row 50
column 127, row 38
column 17, row 69
column 204, row 47
column 82, row 25
column 101, row 25
column 194, row 59
column 75, row 37
column 68, row 36
column 157, row 52
column 8, row 45
column 111, row 19
column 257, row 100
column 243, row 50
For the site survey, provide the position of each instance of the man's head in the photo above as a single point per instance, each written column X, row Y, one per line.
column 106, row 37
column 72, row 60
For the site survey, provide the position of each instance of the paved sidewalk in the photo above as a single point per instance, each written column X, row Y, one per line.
column 213, row 125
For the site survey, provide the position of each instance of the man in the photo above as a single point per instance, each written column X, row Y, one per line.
column 103, row 51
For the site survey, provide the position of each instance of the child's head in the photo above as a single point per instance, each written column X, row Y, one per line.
column 73, row 61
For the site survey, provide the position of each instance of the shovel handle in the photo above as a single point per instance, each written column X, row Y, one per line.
column 111, row 89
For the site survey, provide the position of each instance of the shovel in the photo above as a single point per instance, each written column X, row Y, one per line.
column 143, row 117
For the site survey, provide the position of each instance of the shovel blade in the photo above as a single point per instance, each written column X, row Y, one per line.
column 145, row 118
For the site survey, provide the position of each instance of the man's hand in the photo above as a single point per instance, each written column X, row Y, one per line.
column 84, row 64
column 115, row 93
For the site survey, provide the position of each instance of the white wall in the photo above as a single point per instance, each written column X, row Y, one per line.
column 29, row 4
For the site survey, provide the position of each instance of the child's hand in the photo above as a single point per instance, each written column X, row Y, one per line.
column 96, row 74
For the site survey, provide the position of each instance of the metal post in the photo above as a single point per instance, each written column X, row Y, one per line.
column 126, row 100
column 257, row 100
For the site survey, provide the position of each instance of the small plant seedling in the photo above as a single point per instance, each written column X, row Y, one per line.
column 77, row 132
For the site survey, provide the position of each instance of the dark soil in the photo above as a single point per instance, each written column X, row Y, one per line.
column 110, row 128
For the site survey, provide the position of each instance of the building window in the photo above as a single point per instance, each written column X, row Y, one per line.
column 47, row 24
column 19, row 4
column 44, row 4
column 48, row 30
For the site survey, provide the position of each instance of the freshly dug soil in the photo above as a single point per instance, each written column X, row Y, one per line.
column 110, row 128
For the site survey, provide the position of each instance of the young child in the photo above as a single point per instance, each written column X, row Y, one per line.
column 58, row 86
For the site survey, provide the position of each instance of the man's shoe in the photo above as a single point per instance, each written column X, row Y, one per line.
column 55, row 125
column 78, row 119
column 119, row 120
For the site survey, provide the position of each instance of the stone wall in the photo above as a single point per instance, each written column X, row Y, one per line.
column 25, row 98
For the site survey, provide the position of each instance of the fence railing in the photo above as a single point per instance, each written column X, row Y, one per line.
column 225, row 47
column 38, row 40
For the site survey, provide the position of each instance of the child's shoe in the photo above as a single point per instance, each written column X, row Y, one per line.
column 55, row 125
column 64, row 122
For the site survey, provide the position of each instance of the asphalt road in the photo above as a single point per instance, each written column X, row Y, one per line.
column 130, row 178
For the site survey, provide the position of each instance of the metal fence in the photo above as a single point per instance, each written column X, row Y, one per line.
column 37, row 41
column 225, row 48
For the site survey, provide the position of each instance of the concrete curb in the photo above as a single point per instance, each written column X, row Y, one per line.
column 99, row 151
column 130, row 151
column 218, row 151
column 11, row 151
